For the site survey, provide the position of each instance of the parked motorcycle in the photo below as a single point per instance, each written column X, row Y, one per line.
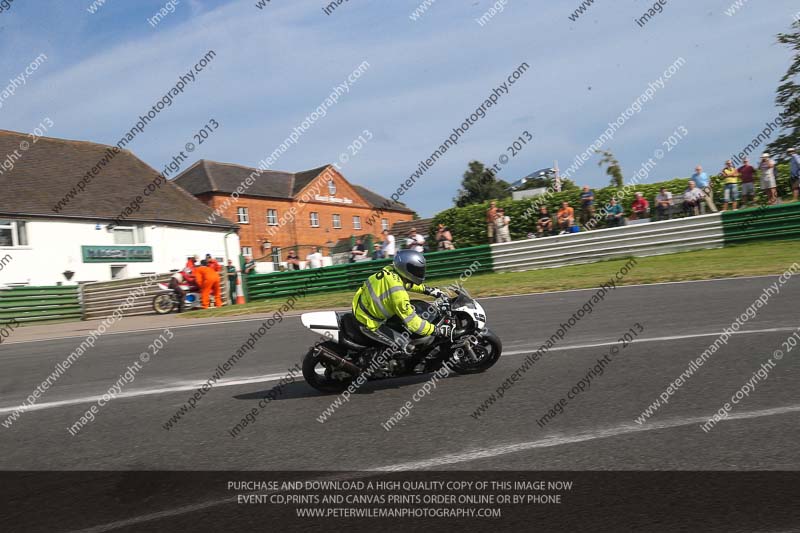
column 332, row 365
column 167, row 301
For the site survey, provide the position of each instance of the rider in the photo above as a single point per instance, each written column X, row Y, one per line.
column 385, row 294
column 175, row 284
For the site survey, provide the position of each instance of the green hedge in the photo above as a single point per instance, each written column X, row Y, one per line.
column 468, row 224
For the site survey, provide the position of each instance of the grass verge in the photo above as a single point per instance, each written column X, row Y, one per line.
column 752, row 259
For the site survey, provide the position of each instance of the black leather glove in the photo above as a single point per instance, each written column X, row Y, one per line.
column 436, row 293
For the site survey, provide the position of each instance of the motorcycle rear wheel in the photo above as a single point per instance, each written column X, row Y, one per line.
column 318, row 373
column 163, row 303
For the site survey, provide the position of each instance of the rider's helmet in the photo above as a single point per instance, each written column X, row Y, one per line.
column 410, row 265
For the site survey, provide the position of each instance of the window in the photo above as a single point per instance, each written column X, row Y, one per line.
column 331, row 188
column 356, row 222
column 13, row 233
column 314, row 219
column 119, row 271
column 125, row 234
column 276, row 257
column 337, row 221
column 246, row 250
column 272, row 217
column 242, row 216
column 385, row 224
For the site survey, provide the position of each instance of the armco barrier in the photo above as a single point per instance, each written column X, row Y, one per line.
column 37, row 304
column 762, row 223
column 349, row 277
column 102, row 298
column 652, row 238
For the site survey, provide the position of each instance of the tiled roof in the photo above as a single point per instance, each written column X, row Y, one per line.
column 213, row 177
column 49, row 169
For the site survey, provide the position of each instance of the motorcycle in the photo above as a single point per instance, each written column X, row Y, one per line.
column 469, row 348
column 167, row 301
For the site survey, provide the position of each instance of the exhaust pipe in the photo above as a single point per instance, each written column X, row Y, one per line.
column 339, row 362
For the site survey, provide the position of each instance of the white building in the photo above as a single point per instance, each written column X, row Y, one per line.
column 74, row 211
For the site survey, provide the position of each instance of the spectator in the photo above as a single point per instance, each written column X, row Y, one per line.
column 315, row 259
column 767, row 171
column 663, row 204
column 501, row 226
column 566, row 217
column 703, row 183
column 545, row 223
column 794, row 173
column 292, row 260
column 613, row 214
column 444, row 238
column 587, row 205
column 640, row 207
column 359, row 251
column 377, row 252
column 389, row 248
column 730, row 179
column 491, row 214
column 415, row 241
column 747, row 174
column 231, row 270
column 692, row 197
column 249, row 265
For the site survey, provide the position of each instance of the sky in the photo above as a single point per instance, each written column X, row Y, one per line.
column 275, row 65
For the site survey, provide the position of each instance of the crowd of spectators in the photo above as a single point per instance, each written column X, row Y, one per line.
column 738, row 189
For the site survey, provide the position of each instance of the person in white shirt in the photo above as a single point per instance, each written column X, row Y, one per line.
column 415, row 241
column 389, row 248
column 663, row 204
column 692, row 198
column 315, row 259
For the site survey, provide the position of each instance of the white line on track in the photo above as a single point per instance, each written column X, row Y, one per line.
column 472, row 455
column 192, row 385
column 297, row 315
column 559, row 440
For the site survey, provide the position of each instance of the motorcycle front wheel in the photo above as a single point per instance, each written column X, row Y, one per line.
column 163, row 303
column 487, row 350
column 319, row 374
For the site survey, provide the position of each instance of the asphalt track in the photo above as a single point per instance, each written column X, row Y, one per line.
column 596, row 431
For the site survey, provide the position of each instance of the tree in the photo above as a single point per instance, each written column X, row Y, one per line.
column 788, row 96
column 613, row 168
column 480, row 185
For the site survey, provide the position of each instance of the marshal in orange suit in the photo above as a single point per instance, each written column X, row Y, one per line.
column 208, row 280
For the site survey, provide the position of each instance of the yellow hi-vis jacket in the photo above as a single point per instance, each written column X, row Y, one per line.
column 385, row 295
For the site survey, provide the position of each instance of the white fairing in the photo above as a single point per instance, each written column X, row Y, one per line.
column 477, row 314
column 323, row 323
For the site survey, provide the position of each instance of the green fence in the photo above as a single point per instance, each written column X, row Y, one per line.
column 35, row 304
column 349, row 277
column 762, row 223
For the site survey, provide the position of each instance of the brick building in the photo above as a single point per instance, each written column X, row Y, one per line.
column 277, row 211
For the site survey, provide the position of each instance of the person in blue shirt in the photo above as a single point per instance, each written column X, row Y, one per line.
column 613, row 214
column 794, row 173
column 587, row 205
column 703, row 183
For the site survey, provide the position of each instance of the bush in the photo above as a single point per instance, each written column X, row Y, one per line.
column 468, row 224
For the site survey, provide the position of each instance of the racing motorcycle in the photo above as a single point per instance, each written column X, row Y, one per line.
column 166, row 300
column 347, row 354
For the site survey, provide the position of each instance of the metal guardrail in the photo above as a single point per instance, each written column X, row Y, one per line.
column 762, row 223
column 653, row 238
column 350, row 276
column 102, row 298
column 38, row 304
